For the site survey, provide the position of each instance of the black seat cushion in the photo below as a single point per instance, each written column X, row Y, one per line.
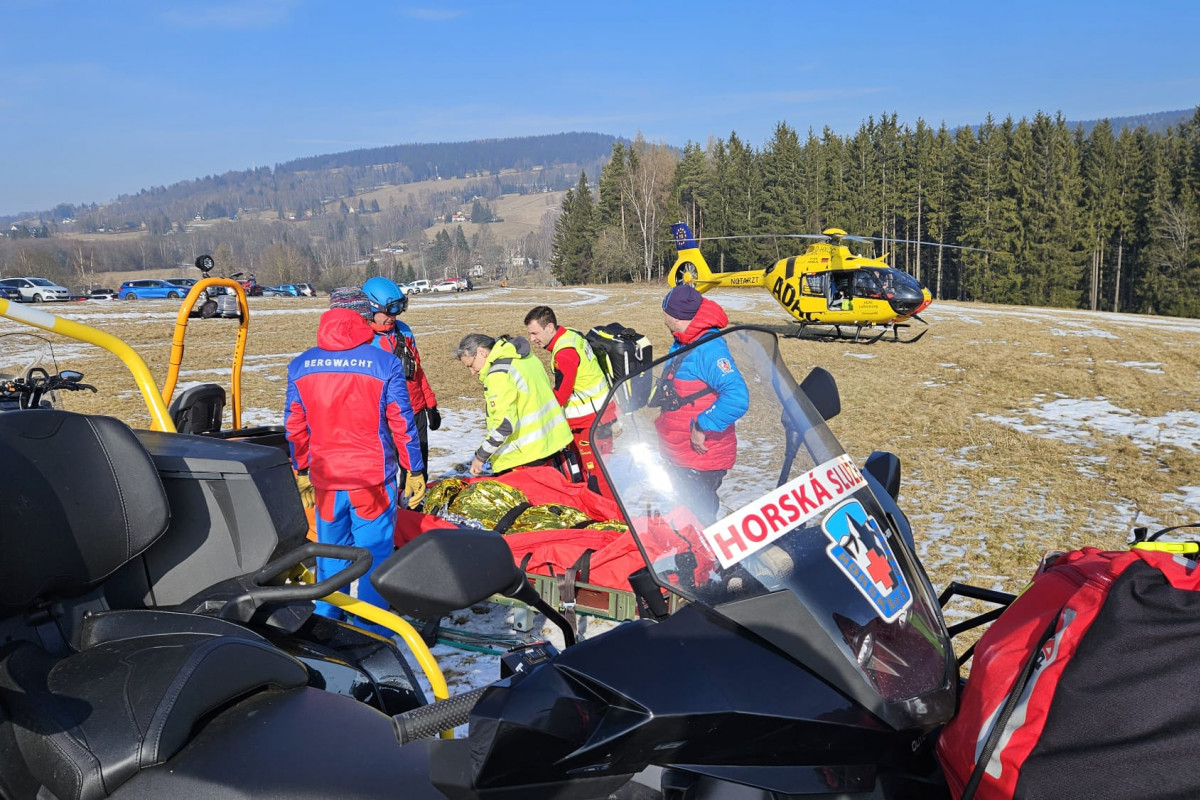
column 81, row 498
column 114, row 626
column 87, row 723
column 198, row 409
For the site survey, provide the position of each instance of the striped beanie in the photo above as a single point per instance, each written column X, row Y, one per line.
column 353, row 298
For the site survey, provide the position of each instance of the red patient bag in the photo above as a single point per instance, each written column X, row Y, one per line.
column 1087, row 686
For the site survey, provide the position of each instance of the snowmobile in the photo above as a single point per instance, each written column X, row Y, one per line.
column 155, row 643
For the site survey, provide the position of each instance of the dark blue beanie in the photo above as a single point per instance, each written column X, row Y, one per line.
column 682, row 302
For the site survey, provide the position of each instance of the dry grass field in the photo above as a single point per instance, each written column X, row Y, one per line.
column 1020, row 430
column 521, row 214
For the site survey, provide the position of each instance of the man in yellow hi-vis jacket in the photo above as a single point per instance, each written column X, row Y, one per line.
column 525, row 423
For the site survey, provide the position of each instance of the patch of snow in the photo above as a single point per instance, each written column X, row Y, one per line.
column 1068, row 419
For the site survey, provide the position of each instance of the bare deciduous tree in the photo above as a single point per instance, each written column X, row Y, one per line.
column 647, row 189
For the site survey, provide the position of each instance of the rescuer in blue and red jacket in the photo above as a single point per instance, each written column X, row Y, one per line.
column 702, row 395
column 395, row 336
column 350, row 428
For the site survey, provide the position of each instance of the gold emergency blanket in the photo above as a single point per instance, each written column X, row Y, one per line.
column 441, row 494
column 549, row 517
column 487, row 501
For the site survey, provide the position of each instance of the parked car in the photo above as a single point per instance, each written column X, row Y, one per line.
column 101, row 293
column 150, row 289
column 283, row 290
column 420, row 287
column 447, row 285
column 307, row 289
column 37, row 290
column 186, row 285
column 10, row 293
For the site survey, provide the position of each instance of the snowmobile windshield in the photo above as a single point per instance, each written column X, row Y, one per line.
column 22, row 356
column 740, row 498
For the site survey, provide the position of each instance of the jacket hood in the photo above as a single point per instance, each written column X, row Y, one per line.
column 709, row 316
column 516, row 347
column 342, row 329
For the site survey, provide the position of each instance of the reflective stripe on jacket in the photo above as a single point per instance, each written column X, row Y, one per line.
column 591, row 385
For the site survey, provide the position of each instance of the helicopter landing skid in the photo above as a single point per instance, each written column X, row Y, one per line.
column 858, row 334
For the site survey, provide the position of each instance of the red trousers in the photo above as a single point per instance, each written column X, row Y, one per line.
column 587, row 451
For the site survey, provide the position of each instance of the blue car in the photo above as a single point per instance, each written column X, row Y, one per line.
column 283, row 290
column 150, row 290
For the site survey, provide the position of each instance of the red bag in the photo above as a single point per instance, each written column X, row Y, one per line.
column 1086, row 685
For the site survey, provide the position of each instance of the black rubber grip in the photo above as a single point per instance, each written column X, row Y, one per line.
column 426, row 721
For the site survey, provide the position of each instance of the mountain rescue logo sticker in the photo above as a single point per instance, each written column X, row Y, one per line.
column 861, row 551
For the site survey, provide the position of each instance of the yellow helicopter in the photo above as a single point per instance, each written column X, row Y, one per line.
column 831, row 292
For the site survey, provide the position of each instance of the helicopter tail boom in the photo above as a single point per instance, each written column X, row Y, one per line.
column 690, row 266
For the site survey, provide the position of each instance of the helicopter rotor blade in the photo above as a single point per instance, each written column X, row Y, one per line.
column 819, row 236
column 917, row 241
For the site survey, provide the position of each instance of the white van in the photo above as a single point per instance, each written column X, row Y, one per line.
column 420, row 287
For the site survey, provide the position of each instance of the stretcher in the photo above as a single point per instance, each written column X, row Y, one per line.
column 576, row 570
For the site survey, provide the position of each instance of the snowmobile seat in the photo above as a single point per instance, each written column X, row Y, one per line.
column 84, row 710
column 198, row 409
column 83, row 498
column 87, row 723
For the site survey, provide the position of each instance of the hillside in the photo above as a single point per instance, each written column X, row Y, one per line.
column 1157, row 122
column 306, row 186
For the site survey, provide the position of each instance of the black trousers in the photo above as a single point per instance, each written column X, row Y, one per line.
column 698, row 489
column 422, row 420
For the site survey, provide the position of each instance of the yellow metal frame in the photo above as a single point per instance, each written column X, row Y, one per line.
column 160, row 420
column 239, row 349
column 156, row 403
column 360, row 608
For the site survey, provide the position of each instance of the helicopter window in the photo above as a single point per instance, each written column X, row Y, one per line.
column 866, row 284
column 815, row 284
column 894, row 279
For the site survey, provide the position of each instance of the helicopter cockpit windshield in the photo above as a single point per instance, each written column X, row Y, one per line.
column 799, row 549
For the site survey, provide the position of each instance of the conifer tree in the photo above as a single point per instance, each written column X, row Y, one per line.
column 571, row 257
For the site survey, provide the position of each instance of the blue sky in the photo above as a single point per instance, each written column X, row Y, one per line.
column 99, row 99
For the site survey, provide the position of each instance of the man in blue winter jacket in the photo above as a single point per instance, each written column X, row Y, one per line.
column 350, row 428
column 702, row 395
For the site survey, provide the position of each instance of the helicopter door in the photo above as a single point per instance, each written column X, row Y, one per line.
column 840, row 290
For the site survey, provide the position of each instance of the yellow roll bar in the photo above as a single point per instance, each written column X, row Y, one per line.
column 160, row 420
column 394, row 622
column 239, row 349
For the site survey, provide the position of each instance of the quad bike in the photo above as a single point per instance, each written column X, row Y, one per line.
column 810, row 659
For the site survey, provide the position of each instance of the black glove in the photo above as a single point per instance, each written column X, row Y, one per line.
column 435, row 418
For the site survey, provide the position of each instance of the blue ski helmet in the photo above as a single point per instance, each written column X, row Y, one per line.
column 385, row 296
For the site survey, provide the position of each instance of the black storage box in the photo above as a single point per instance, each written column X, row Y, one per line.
column 234, row 507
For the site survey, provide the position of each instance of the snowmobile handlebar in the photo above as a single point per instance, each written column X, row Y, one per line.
column 427, row 721
column 30, row 390
column 243, row 605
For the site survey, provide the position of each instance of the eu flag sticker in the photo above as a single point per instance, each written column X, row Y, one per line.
column 860, row 549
